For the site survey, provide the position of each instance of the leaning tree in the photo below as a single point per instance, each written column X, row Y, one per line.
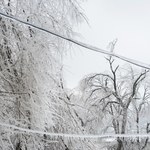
column 31, row 70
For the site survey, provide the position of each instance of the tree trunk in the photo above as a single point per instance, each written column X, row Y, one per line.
column 124, row 121
column 123, row 130
column 120, row 144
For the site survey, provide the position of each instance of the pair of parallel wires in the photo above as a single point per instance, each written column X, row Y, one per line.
column 89, row 47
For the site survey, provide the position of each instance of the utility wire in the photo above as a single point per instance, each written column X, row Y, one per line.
column 84, row 45
column 83, row 136
column 92, row 48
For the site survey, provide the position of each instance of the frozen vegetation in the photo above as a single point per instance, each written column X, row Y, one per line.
column 37, row 112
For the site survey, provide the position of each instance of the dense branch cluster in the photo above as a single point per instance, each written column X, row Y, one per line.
column 33, row 94
column 117, row 103
column 31, row 86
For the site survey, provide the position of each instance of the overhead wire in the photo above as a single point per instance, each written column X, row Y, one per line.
column 81, row 44
column 82, row 136
column 89, row 47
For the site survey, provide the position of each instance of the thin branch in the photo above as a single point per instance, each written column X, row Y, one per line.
column 102, row 99
column 11, row 92
column 110, row 102
column 140, row 78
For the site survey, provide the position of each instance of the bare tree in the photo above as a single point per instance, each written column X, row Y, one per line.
column 112, row 98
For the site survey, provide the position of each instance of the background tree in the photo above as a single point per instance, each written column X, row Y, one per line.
column 115, row 102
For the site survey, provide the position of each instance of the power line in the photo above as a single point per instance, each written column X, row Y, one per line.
column 92, row 48
column 83, row 136
column 84, row 45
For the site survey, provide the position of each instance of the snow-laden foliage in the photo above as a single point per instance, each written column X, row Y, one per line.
column 31, row 87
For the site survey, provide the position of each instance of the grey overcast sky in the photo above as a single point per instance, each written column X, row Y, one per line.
column 126, row 20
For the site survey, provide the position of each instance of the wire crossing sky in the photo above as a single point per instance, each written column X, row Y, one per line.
column 89, row 47
column 84, row 45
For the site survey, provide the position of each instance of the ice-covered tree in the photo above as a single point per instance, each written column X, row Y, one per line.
column 31, row 71
column 116, row 103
